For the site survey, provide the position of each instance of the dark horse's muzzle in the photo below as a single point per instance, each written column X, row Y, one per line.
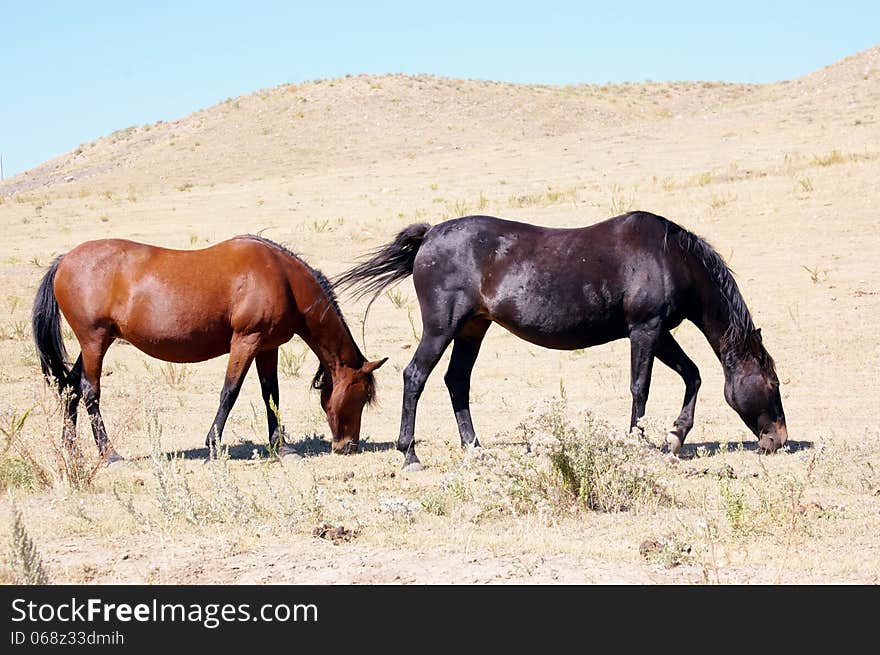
column 773, row 439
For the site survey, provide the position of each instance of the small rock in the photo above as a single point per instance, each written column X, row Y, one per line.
column 648, row 547
column 334, row 534
column 726, row 472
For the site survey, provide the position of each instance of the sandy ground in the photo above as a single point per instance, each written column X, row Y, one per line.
column 781, row 179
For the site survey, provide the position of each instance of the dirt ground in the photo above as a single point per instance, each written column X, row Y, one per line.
column 780, row 178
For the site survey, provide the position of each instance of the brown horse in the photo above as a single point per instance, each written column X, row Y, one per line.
column 246, row 296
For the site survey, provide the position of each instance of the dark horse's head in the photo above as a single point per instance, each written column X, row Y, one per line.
column 752, row 389
column 343, row 397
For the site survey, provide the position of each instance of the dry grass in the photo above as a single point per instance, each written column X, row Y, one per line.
column 701, row 519
column 25, row 565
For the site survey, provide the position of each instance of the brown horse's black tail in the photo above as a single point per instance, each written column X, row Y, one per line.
column 46, row 324
column 386, row 265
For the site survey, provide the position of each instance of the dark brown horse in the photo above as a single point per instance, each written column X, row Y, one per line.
column 637, row 275
column 246, row 296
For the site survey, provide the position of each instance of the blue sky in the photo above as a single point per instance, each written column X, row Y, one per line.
column 74, row 71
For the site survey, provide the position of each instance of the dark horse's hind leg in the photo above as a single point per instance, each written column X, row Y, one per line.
column 465, row 349
column 643, row 343
column 671, row 354
column 267, row 369
column 415, row 375
column 241, row 353
column 90, row 386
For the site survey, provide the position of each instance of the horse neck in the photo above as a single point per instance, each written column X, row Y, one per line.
column 713, row 320
column 325, row 331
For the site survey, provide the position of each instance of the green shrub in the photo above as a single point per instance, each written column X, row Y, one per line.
column 600, row 468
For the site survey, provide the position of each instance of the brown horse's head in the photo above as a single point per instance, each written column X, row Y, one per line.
column 343, row 398
column 752, row 389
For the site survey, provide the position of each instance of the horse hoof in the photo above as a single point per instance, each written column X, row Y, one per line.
column 674, row 442
column 412, row 467
column 112, row 458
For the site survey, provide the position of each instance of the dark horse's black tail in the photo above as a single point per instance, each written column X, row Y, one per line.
column 46, row 324
column 386, row 265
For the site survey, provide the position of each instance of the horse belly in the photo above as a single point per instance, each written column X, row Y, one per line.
column 177, row 336
column 566, row 337
column 564, row 319
column 180, row 350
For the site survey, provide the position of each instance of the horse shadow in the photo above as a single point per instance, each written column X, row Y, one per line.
column 310, row 446
column 710, row 448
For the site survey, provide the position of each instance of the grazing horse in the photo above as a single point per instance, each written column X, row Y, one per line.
column 245, row 296
column 637, row 275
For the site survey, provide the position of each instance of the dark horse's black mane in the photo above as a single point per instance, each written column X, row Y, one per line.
column 740, row 337
column 322, row 377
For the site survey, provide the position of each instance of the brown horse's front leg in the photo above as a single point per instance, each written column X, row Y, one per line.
column 241, row 353
column 267, row 369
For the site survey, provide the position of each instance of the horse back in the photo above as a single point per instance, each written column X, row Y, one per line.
column 557, row 287
column 177, row 304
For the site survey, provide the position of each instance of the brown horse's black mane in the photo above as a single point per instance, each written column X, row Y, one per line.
column 322, row 376
column 740, row 338
column 326, row 286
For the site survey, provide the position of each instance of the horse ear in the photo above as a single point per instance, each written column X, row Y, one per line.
column 369, row 367
column 758, row 335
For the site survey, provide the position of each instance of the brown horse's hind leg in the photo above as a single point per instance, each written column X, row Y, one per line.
column 465, row 349
column 90, row 385
column 671, row 354
column 241, row 353
column 267, row 369
column 70, row 396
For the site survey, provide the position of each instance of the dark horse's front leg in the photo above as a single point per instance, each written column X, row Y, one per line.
column 671, row 354
column 643, row 344
column 465, row 349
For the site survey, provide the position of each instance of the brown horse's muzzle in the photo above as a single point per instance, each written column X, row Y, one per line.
column 345, row 446
column 774, row 438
